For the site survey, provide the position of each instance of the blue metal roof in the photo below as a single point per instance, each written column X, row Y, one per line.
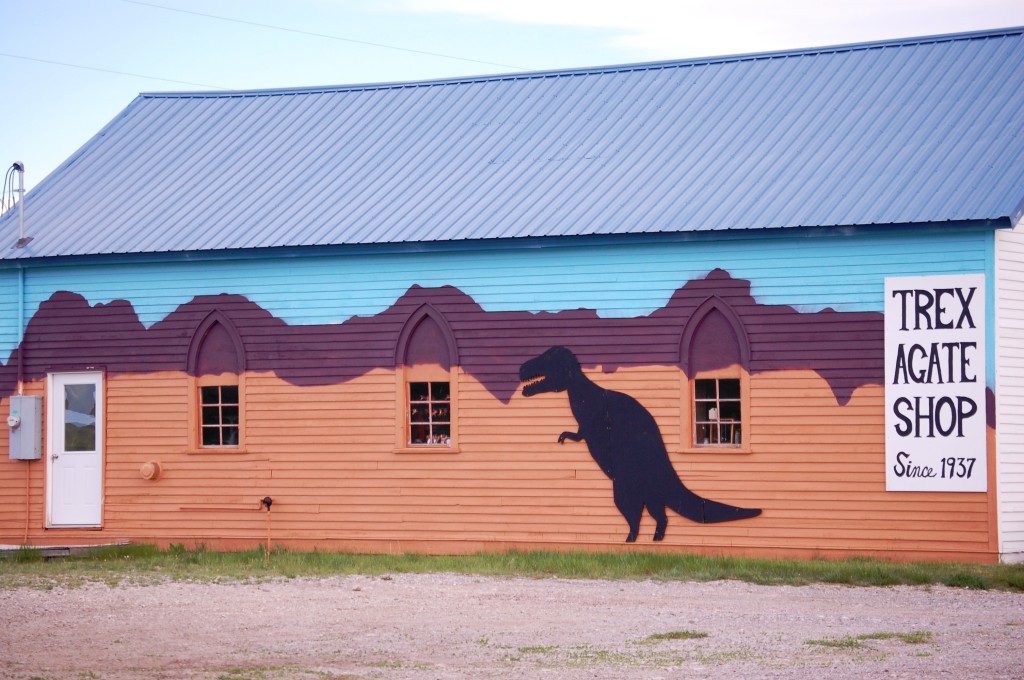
column 924, row 130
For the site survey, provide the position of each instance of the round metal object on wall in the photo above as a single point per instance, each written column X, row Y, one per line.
column 150, row 470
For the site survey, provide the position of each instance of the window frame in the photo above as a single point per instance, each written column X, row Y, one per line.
column 689, row 409
column 429, row 374
column 221, row 425
column 196, row 417
column 712, row 438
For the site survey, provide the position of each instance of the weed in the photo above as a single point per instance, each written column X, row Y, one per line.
column 847, row 642
column 857, row 642
column 965, row 580
column 676, row 635
column 539, row 649
column 716, row 658
column 25, row 555
column 586, row 655
column 915, row 638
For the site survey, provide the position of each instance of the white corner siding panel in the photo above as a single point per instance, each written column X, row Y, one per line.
column 1009, row 328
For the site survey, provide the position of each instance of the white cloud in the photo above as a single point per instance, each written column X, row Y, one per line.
column 671, row 29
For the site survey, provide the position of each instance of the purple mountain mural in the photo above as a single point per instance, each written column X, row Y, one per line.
column 845, row 348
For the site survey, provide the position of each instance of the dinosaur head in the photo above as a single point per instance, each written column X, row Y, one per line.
column 552, row 371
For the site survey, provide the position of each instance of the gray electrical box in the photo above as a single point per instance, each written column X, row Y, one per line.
column 25, row 423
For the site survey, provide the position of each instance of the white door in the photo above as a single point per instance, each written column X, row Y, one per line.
column 74, row 448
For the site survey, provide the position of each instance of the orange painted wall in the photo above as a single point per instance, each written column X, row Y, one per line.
column 326, row 455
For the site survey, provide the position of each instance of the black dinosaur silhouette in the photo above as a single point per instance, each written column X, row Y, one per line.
column 626, row 443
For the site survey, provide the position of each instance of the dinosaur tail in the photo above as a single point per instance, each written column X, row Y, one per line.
column 706, row 511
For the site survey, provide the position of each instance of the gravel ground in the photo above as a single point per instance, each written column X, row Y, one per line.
column 454, row 626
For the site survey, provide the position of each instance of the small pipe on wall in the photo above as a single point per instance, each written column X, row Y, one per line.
column 28, row 497
column 266, row 502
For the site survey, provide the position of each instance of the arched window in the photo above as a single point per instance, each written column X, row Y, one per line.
column 216, row 364
column 425, row 362
column 714, row 354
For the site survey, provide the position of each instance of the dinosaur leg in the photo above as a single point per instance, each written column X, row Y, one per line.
column 661, row 519
column 632, row 508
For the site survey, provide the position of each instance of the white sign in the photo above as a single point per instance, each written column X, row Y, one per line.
column 935, row 423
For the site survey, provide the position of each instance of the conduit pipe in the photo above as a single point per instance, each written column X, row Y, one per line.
column 266, row 502
column 21, row 330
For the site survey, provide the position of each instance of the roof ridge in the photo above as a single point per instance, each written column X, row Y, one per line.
column 593, row 70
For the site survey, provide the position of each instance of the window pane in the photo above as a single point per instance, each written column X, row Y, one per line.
column 725, row 434
column 439, row 391
column 230, row 436
column 730, row 410
column 211, row 436
column 209, row 395
column 442, row 434
column 229, row 394
column 211, row 415
column 704, row 389
column 419, row 391
column 419, row 413
column 419, row 434
column 229, row 415
column 80, row 417
column 730, row 389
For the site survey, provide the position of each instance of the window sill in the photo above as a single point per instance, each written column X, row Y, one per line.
column 221, row 450
column 427, row 448
column 727, row 449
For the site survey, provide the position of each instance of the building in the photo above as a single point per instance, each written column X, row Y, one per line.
column 514, row 311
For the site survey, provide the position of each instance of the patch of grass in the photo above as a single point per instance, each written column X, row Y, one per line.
column 857, row 642
column 676, row 635
column 972, row 581
column 141, row 564
column 25, row 555
column 586, row 655
column 279, row 673
column 917, row 637
column 717, row 658
column 846, row 642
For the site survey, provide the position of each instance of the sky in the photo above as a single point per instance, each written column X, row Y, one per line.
column 71, row 66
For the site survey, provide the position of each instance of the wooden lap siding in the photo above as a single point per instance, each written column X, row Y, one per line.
column 336, row 482
column 1010, row 383
column 320, row 440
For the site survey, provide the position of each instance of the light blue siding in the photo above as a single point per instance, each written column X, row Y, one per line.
column 10, row 334
column 810, row 274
